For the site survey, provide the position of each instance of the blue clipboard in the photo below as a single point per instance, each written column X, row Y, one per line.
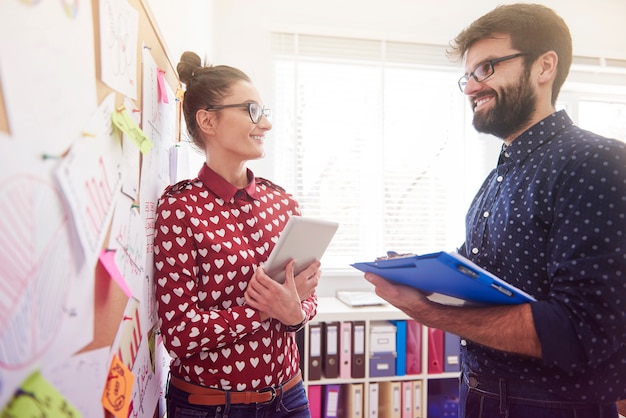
column 449, row 274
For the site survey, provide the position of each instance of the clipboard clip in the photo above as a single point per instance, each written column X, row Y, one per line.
column 392, row 254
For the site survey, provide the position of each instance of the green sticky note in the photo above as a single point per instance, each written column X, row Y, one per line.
column 122, row 120
column 38, row 398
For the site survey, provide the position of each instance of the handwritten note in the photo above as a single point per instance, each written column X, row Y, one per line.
column 117, row 391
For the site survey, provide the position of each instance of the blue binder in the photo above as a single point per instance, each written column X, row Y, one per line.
column 449, row 274
column 400, row 347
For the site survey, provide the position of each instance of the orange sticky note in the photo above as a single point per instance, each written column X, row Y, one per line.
column 118, row 389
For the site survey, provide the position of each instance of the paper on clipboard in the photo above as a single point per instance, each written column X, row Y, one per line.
column 448, row 274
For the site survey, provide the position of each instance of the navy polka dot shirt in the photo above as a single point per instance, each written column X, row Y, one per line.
column 551, row 220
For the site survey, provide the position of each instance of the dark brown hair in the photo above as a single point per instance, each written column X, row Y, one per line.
column 206, row 85
column 534, row 29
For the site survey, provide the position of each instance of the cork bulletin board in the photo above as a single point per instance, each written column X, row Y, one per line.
column 88, row 119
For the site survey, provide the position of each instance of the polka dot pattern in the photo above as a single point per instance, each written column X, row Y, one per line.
column 209, row 238
column 551, row 220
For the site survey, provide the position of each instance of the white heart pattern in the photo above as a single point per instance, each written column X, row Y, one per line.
column 205, row 252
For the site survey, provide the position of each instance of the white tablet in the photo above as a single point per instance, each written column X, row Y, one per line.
column 304, row 240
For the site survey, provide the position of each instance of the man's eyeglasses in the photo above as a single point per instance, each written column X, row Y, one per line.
column 485, row 70
column 255, row 110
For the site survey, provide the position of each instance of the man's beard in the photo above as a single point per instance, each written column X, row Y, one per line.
column 512, row 110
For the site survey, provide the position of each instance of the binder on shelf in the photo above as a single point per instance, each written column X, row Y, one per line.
column 330, row 349
column 413, row 347
column 435, row 350
column 407, row 399
column 417, row 399
column 353, row 401
column 314, row 394
column 345, row 350
column 382, row 364
column 400, row 347
column 372, row 400
column 389, row 399
column 330, row 401
column 315, row 352
column 451, row 352
column 358, row 349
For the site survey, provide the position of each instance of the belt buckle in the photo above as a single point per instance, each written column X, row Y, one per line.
column 269, row 389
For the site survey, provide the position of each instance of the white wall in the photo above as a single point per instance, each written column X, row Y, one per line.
column 187, row 25
column 236, row 30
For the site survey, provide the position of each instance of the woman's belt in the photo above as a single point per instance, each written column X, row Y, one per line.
column 200, row 395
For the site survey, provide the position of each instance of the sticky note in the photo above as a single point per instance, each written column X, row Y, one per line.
column 36, row 397
column 118, row 389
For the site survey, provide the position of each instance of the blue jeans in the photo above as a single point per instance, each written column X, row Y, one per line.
column 292, row 404
column 488, row 398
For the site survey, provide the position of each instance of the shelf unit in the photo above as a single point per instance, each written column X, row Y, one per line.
column 331, row 309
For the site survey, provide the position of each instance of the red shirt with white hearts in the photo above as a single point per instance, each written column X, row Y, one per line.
column 210, row 236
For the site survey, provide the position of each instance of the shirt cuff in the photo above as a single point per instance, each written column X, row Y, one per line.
column 298, row 327
column 559, row 342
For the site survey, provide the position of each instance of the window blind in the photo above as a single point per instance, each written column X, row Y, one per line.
column 370, row 134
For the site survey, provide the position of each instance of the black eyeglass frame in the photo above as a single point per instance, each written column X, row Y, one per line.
column 264, row 111
column 465, row 78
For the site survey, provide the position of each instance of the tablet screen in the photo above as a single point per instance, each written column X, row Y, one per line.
column 304, row 240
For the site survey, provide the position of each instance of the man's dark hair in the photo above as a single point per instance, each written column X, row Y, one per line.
column 533, row 28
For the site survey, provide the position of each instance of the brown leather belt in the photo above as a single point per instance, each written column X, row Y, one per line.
column 200, row 395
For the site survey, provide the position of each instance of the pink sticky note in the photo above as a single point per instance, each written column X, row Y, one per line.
column 161, row 84
column 107, row 258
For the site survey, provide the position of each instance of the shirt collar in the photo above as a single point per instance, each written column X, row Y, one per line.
column 537, row 135
column 222, row 188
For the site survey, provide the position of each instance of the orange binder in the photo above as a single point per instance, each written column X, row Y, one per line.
column 389, row 399
column 352, row 401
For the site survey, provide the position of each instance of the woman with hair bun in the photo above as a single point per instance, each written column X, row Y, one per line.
column 228, row 326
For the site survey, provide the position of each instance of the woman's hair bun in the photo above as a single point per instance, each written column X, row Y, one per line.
column 189, row 63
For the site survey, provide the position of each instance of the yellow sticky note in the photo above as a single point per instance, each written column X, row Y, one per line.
column 38, row 398
column 122, row 120
column 118, row 389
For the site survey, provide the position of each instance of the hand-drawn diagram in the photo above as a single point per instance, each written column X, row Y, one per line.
column 34, row 272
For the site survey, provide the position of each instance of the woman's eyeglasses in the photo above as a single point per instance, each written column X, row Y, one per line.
column 255, row 110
